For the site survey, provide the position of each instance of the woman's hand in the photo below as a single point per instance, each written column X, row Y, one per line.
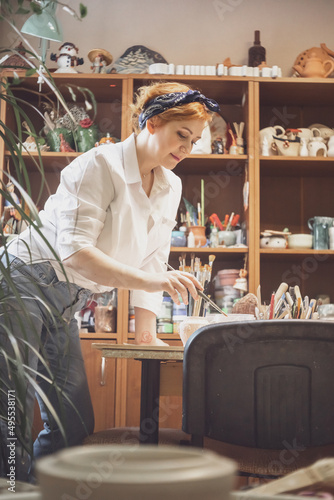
column 174, row 283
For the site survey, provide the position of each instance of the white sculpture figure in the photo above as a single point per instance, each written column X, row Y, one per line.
column 265, row 147
column 67, row 59
column 303, row 147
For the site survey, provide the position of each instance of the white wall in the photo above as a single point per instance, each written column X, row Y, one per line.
column 198, row 31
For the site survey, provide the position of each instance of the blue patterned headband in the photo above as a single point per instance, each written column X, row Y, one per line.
column 167, row 101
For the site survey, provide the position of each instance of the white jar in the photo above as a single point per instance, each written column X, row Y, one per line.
column 190, row 325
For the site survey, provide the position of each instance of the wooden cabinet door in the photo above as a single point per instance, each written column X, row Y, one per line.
column 101, row 374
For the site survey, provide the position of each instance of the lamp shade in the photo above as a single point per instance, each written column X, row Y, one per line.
column 44, row 25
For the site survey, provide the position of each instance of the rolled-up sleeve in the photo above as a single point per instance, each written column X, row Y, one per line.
column 86, row 190
column 152, row 301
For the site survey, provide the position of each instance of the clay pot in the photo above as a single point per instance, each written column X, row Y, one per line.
column 315, row 67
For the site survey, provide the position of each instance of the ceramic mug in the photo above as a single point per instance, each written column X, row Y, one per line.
column 316, row 147
column 319, row 226
column 266, row 72
column 324, row 131
column 235, row 71
column 331, row 237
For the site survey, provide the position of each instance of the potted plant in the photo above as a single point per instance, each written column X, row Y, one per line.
column 15, row 189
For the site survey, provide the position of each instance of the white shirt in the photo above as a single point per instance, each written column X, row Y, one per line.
column 100, row 202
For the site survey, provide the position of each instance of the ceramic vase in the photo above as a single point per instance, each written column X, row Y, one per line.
column 86, row 138
column 53, row 138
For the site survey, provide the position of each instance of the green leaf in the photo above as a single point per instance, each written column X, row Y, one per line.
column 74, row 97
column 22, row 11
column 35, row 8
column 31, row 71
column 83, row 11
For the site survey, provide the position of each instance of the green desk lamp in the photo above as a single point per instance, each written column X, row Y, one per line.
column 44, row 25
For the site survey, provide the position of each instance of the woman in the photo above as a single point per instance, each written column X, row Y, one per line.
column 109, row 224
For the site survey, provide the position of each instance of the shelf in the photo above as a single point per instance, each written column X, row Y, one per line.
column 51, row 161
column 297, row 92
column 296, row 166
column 210, row 250
column 225, row 89
column 292, row 254
column 233, row 165
column 107, row 87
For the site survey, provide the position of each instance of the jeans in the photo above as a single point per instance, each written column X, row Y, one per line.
column 37, row 324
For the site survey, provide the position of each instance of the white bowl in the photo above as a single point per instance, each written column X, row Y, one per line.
column 135, row 473
column 299, row 241
column 190, row 325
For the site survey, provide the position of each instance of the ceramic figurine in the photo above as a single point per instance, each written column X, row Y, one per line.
column 330, row 151
column 303, row 147
column 274, row 239
column 100, row 59
column 67, row 59
column 17, row 59
column 233, row 150
column 11, row 219
column 137, row 59
column 218, row 147
column 317, row 147
column 265, row 147
column 30, row 143
column 64, row 145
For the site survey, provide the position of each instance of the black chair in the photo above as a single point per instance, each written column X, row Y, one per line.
column 261, row 392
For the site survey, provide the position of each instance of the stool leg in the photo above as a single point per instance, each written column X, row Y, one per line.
column 149, row 402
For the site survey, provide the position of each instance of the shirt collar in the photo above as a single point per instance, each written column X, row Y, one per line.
column 131, row 167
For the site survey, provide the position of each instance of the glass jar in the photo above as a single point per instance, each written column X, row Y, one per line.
column 177, row 320
column 179, row 239
column 190, row 325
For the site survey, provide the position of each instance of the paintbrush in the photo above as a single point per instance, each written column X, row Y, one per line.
column 201, row 294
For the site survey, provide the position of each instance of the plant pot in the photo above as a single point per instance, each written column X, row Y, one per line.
column 199, row 235
column 86, row 138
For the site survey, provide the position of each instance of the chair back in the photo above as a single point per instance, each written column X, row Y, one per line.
column 262, row 384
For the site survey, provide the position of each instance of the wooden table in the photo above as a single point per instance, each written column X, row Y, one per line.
column 160, row 375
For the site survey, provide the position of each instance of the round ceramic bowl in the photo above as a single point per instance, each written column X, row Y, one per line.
column 299, row 241
column 326, row 312
column 135, row 472
column 190, row 325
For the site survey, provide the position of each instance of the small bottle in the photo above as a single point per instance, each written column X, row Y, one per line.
column 257, row 53
column 265, row 147
column 214, row 240
column 303, row 147
column 191, row 240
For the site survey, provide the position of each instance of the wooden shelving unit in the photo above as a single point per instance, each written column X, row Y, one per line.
column 283, row 191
